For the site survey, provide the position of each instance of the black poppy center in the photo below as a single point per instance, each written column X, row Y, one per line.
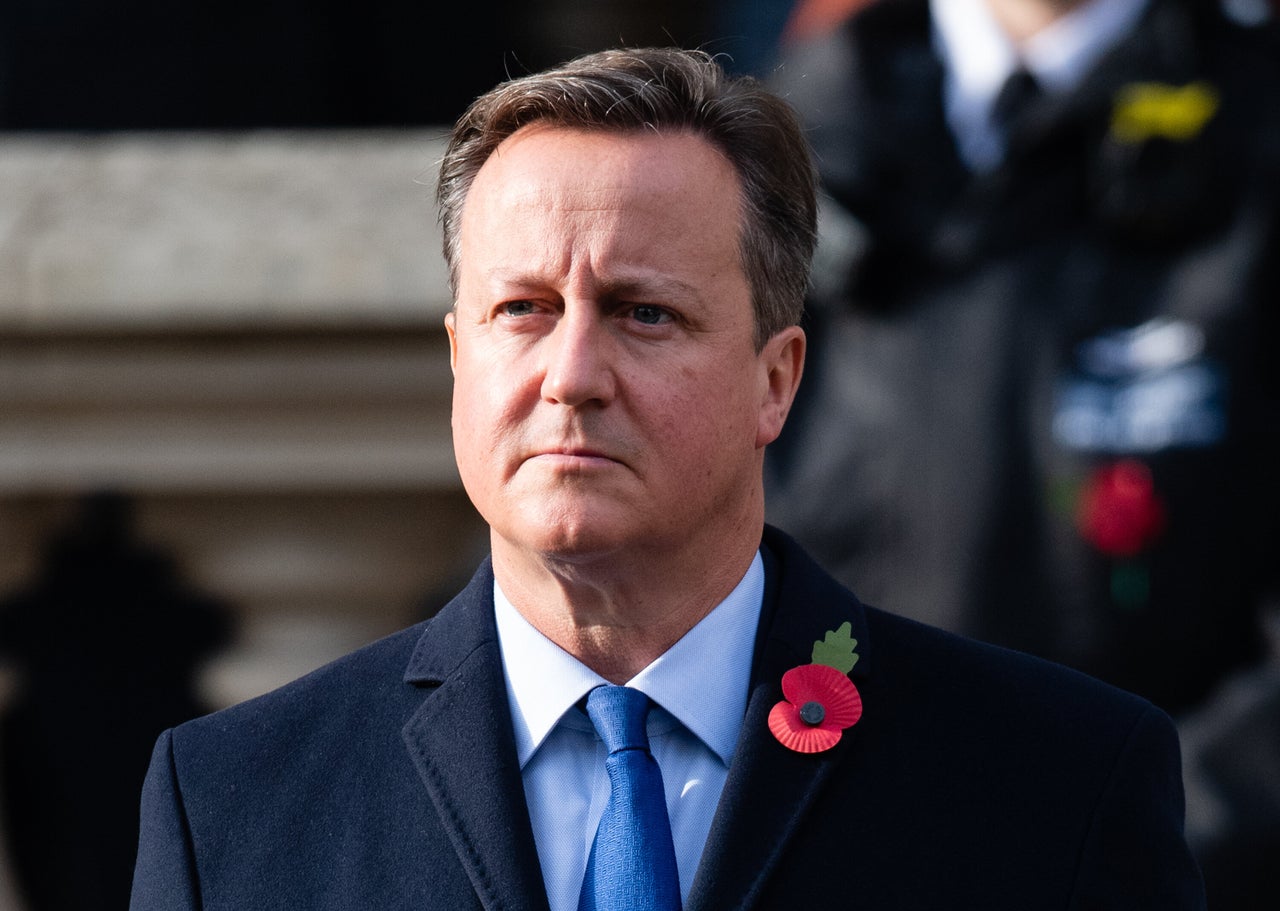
column 812, row 713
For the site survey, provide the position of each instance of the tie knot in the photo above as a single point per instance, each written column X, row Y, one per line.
column 619, row 714
column 1019, row 93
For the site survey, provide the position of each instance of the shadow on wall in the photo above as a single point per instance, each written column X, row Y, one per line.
column 105, row 642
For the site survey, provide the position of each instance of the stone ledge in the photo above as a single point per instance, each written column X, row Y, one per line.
column 264, row 412
column 201, row 231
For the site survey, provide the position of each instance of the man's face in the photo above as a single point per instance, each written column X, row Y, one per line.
column 607, row 392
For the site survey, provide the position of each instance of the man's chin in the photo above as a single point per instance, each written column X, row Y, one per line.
column 569, row 539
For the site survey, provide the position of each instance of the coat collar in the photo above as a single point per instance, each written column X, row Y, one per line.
column 462, row 745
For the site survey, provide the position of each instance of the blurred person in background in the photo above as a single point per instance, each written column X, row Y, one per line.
column 1041, row 402
column 106, row 641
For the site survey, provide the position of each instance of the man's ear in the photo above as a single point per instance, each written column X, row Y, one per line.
column 451, row 327
column 781, row 364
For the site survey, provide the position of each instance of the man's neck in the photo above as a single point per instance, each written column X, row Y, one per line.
column 618, row 613
column 1021, row 19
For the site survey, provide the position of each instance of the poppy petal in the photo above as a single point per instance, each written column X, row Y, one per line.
column 839, row 698
column 794, row 734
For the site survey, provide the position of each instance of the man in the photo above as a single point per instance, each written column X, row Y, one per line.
column 629, row 238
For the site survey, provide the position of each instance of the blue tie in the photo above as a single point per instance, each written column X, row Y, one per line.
column 632, row 866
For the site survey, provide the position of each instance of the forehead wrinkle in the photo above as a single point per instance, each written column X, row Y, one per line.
column 641, row 284
column 539, row 189
column 599, row 254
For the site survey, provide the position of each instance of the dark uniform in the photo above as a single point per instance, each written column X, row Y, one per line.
column 1040, row 406
column 1041, row 403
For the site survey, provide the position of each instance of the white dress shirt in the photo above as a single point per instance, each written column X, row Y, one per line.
column 977, row 57
column 700, row 688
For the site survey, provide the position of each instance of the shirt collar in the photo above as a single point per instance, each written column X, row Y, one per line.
column 977, row 57
column 701, row 681
column 1061, row 56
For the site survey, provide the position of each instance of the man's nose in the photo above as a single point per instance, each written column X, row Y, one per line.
column 578, row 367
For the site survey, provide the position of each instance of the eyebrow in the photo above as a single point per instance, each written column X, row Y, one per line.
column 642, row 285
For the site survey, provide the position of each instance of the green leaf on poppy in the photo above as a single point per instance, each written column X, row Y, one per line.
column 836, row 649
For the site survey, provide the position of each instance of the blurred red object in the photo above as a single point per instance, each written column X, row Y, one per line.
column 1119, row 511
column 811, row 18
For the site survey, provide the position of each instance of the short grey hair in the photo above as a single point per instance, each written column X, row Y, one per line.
column 625, row 90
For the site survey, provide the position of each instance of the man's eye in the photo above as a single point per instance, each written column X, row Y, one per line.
column 650, row 315
column 517, row 308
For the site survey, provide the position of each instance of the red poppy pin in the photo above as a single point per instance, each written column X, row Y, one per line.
column 821, row 701
column 1120, row 512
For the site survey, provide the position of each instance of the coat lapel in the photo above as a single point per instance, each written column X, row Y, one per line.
column 771, row 790
column 462, row 744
